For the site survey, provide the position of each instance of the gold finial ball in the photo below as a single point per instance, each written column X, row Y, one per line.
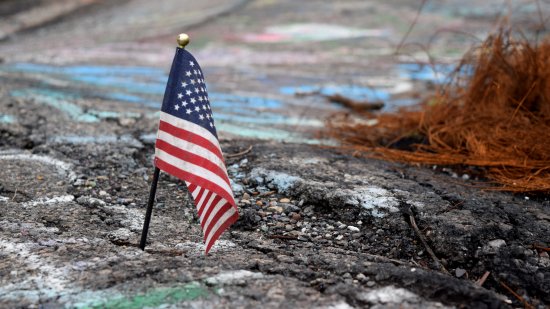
column 183, row 40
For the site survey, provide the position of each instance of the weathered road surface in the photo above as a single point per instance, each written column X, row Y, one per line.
column 81, row 83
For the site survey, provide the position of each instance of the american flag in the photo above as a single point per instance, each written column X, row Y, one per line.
column 187, row 147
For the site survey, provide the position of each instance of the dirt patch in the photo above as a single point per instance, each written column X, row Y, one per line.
column 494, row 115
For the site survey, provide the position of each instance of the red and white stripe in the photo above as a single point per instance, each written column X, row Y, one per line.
column 193, row 154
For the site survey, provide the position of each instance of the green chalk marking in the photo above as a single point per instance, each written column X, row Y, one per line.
column 154, row 298
column 57, row 100
column 61, row 101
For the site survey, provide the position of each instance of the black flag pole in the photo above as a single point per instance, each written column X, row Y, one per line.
column 183, row 40
column 152, row 193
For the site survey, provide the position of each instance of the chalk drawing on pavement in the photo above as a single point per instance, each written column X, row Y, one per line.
column 306, row 32
column 247, row 115
column 4, row 118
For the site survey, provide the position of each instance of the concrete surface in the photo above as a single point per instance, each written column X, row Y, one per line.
column 81, row 84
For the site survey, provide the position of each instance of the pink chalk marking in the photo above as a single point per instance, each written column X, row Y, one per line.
column 265, row 38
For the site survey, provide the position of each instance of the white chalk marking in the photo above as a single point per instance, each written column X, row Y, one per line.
column 230, row 277
column 47, row 280
column 49, row 201
column 62, row 167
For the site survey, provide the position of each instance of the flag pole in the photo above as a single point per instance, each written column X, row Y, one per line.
column 183, row 40
column 152, row 193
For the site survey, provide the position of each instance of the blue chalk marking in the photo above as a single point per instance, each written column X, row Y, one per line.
column 153, row 115
column 86, row 70
column 127, row 84
column 395, row 104
column 269, row 134
column 120, row 96
column 354, row 92
column 139, row 80
column 101, row 139
column 6, row 118
column 148, row 137
column 437, row 73
column 44, row 92
column 229, row 100
column 265, row 118
column 60, row 101
column 112, row 114
column 57, row 100
column 256, row 132
column 145, row 86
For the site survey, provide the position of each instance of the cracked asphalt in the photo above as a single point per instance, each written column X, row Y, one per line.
column 318, row 229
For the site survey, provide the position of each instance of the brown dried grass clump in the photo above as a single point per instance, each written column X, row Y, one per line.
column 498, row 119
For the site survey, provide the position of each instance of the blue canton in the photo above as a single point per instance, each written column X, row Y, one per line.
column 186, row 95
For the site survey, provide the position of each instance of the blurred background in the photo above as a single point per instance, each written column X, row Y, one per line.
column 86, row 71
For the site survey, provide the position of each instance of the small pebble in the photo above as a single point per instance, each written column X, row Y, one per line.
column 459, row 272
column 284, row 200
column 497, row 243
column 276, row 209
column 79, row 182
column 90, row 201
column 353, row 228
column 288, row 208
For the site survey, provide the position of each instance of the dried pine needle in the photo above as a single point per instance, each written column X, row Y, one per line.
column 498, row 119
